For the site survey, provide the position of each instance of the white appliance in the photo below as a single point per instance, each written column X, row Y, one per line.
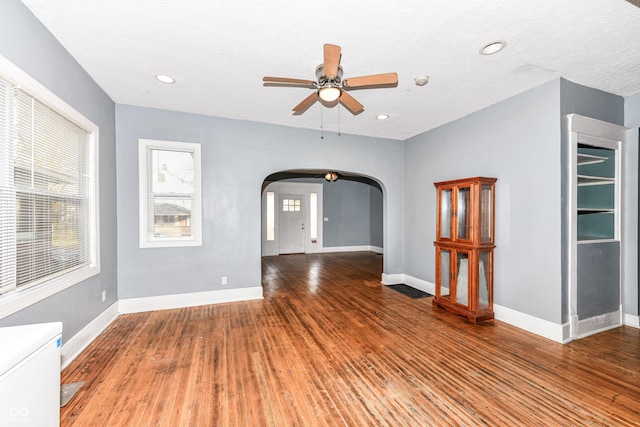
column 30, row 375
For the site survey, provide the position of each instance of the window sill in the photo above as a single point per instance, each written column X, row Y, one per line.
column 177, row 243
column 17, row 300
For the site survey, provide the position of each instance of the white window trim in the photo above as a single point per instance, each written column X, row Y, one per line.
column 143, row 177
column 16, row 300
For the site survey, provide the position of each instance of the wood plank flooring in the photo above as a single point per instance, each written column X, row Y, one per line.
column 329, row 345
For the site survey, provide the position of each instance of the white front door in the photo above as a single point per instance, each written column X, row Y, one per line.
column 291, row 224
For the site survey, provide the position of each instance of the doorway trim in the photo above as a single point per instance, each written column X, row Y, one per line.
column 271, row 247
column 611, row 136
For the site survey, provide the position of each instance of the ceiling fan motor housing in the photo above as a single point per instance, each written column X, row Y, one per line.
column 324, row 81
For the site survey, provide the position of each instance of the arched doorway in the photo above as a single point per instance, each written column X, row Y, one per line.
column 303, row 212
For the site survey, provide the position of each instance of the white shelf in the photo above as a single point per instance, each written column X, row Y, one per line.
column 582, row 211
column 590, row 159
column 594, row 180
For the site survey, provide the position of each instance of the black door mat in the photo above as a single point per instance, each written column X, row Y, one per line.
column 409, row 291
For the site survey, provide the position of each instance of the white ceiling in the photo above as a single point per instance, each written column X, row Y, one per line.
column 218, row 51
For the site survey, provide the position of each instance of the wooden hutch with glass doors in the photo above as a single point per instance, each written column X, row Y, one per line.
column 464, row 247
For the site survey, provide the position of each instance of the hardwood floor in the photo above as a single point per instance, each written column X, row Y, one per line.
column 329, row 345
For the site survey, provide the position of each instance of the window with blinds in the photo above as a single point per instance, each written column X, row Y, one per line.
column 169, row 194
column 47, row 192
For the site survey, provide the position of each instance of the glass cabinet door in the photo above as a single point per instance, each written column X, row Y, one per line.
column 484, row 280
column 486, row 214
column 462, row 278
column 444, row 265
column 463, row 214
column 446, row 202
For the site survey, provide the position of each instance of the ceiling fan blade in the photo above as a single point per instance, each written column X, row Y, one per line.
column 288, row 85
column 305, row 104
column 331, row 60
column 387, row 79
column 350, row 103
column 286, row 80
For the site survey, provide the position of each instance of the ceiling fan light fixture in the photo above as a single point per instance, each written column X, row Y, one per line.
column 329, row 93
column 493, row 47
column 331, row 176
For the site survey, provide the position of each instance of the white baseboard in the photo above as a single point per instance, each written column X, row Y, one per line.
column 596, row 324
column 74, row 346
column 392, row 279
column 165, row 302
column 364, row 248
column 632, row 320
column 535, row 325
column 414, row 282
column 515, row 318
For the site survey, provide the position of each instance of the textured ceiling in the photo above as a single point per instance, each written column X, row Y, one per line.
column 219, row 51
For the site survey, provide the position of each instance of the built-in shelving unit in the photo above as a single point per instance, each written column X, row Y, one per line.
column 594, row 242
column 596, row 182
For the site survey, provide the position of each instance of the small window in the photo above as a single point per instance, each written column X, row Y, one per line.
column 271, row 229
column 313, row 215
column 170, row 196
column 290, row 205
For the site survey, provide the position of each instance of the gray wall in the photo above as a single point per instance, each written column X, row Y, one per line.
column 236, row 158
column 354, row 208
column 30, row 46
column 347, row 205
column 518, row 142
column 630, row 258
column 375, row 217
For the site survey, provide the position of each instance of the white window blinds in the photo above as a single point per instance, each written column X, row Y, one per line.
column 7, row 196
column 46, row 186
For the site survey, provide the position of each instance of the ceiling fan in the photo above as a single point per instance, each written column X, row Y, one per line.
column 331, row 89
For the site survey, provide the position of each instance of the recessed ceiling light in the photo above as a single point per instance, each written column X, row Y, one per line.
column 165, row 78
column 422, row 80
column 493, row 47
column 382, row 117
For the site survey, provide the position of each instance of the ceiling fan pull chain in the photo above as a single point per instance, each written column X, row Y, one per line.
column 339, row 128
column 321, row 123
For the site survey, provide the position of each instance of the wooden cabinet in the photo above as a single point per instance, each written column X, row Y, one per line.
column 464, row 247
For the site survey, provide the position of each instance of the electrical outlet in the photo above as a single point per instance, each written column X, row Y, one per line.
column 104, row 296
column 223, row 280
